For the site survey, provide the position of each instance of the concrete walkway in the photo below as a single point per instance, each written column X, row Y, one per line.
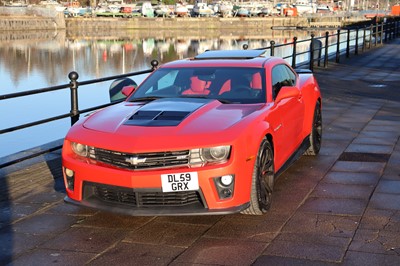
column 339, row 208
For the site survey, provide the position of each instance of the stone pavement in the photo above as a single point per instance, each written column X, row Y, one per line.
column 341, row 207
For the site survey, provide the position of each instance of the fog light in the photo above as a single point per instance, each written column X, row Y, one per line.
column 226, row 180
column 69, row 172
column 227, row 193
column 69, row 178
column 224, row 186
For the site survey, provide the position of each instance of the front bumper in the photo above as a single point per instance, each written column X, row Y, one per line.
column 196, row 209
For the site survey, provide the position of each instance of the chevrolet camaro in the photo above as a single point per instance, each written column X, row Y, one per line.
column 202, row 135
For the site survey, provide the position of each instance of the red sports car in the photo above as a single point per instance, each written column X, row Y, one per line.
column 204, row 135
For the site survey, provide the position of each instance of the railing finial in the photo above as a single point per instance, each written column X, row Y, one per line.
column 73, row 75
column 154, row 64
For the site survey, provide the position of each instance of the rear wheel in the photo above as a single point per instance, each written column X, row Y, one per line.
column 262, row 180
column 316, row 132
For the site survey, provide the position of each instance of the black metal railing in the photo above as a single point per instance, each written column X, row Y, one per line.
column 324, row 48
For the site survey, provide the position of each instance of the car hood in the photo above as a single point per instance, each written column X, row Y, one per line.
column 169, row 116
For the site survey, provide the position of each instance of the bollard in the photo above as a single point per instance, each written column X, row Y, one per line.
column 315, row 50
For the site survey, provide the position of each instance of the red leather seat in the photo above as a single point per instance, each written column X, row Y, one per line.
column 256, row 82
column 197, row 86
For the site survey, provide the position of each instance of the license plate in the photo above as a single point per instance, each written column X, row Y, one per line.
column 180, row 182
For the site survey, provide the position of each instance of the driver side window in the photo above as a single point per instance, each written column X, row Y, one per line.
column 281, row 76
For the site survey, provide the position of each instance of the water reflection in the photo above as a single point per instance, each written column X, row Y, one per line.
column 32, row 60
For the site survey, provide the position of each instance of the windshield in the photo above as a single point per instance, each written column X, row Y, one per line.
column 229, row 85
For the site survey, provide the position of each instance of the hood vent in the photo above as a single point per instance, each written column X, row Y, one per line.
column 157, row 118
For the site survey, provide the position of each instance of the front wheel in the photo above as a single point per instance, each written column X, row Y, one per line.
column 262, row 180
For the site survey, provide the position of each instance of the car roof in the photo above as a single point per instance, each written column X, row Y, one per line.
column 231, row 54
column 225, row 58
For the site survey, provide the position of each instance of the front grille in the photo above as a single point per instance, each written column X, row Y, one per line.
column 137, row 161
column 139, row 197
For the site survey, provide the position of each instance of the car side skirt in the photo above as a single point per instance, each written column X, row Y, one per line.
column 295, row 156
column 155, row 211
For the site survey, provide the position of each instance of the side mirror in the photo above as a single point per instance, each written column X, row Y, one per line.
column 127, row 90
column 287, row 92
column 117, row 86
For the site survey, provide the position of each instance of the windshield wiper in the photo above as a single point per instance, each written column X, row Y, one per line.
column 145, row 99
column 205, row 97
column 224, row 101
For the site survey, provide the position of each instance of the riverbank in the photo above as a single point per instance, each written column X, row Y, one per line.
column 22, row 19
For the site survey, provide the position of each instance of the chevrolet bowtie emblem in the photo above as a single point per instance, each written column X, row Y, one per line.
column 135, row 160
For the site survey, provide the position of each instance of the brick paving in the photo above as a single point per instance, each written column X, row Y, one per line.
column 339, row 208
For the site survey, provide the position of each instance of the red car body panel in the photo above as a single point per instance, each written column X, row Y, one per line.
column 210, row 123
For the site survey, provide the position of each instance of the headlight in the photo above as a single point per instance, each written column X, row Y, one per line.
column 215, row 154
column 79, row 149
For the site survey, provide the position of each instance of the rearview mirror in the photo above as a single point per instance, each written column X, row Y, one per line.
column 287, row 92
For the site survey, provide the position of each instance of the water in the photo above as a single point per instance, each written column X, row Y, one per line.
column 33, row 60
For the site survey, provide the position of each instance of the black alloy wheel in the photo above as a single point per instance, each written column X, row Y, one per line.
column 262, row 180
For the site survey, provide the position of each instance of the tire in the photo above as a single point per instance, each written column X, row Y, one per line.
column 316, row 132
column 262, row 180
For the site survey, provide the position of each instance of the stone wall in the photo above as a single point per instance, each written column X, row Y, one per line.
column 30, row 18
column 185, row 23
column 45, row 18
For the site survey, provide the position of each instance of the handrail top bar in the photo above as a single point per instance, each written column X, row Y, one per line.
column 68, row 85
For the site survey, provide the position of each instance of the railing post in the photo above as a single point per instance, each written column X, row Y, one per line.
column 338, row 46
column 364, row 39
column 294, row 52
column 326, row 48
column 376, row 33
column 312, row 52
column 272, row 48
column 348, row 44
column 385, row 28
column 382, row 33
column 73, row 76
column 371, row 31
column 393, row 29
column 356, row 48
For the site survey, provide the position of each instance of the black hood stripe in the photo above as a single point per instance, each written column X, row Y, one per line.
column 165, row 112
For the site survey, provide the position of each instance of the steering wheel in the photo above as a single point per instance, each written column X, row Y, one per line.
column 243, row 89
